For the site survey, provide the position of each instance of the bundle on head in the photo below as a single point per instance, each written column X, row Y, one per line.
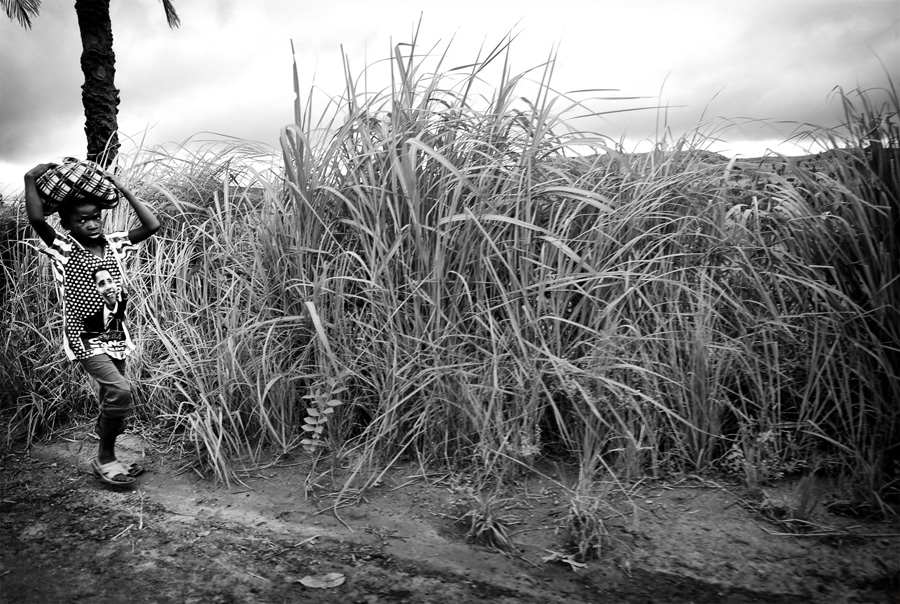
column 74, row 181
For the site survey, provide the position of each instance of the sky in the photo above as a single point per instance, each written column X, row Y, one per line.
column 745, row 73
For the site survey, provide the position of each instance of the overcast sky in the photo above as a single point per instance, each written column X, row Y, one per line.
column 227, row 69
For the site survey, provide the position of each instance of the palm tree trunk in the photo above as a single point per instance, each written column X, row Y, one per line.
column 99, row 93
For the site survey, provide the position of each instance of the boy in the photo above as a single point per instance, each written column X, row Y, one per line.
column 77, row 255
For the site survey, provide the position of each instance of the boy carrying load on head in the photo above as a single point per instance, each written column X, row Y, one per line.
column 87, row 267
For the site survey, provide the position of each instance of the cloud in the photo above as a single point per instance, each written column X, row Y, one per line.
column 228, row 68
column 41, row 82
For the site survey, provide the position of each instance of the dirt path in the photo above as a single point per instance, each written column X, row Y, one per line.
column 178, row 538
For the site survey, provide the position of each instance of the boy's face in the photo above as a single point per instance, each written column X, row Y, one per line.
column 84, row 222
column 106, row 287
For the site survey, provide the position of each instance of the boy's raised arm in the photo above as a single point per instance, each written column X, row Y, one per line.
column 33, row 206
column 149, row 221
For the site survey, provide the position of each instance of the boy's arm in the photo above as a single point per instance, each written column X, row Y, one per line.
column 33, row 206
column 149, row 221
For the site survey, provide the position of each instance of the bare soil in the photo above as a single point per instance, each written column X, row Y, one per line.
column 178, row 537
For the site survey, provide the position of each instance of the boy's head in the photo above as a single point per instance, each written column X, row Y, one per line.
column 106, row 285
column 82, row 219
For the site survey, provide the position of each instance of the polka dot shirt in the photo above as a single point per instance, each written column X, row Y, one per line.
column 72, row 268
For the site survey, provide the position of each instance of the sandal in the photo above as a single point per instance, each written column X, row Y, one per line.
column 134, row 469
column 112, row 473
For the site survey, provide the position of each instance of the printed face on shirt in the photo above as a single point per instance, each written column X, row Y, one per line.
column 84, row 221
column 106, row 287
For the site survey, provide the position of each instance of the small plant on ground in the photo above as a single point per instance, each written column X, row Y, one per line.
column 763, row 457
column 323, row 400
column 794, row 511
column 586, row 528
column 487, row 524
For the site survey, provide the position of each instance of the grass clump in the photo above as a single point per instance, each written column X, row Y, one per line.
column 586, row 528
column 486, row 521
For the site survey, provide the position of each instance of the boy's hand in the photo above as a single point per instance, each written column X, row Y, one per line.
column 116, row 181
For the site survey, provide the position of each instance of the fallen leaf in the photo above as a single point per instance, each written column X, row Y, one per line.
column 323, row 581
column 564, row 558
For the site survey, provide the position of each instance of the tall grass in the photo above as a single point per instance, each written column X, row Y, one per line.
column 467, row 290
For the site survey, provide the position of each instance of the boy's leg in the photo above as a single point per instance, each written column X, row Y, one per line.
column 115, row 401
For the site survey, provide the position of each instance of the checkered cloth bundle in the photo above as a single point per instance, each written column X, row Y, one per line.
column 76, row 180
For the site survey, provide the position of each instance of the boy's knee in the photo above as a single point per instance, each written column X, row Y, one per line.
column 117, row 403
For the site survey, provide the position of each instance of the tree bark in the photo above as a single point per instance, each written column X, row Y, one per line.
column 99, row 93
